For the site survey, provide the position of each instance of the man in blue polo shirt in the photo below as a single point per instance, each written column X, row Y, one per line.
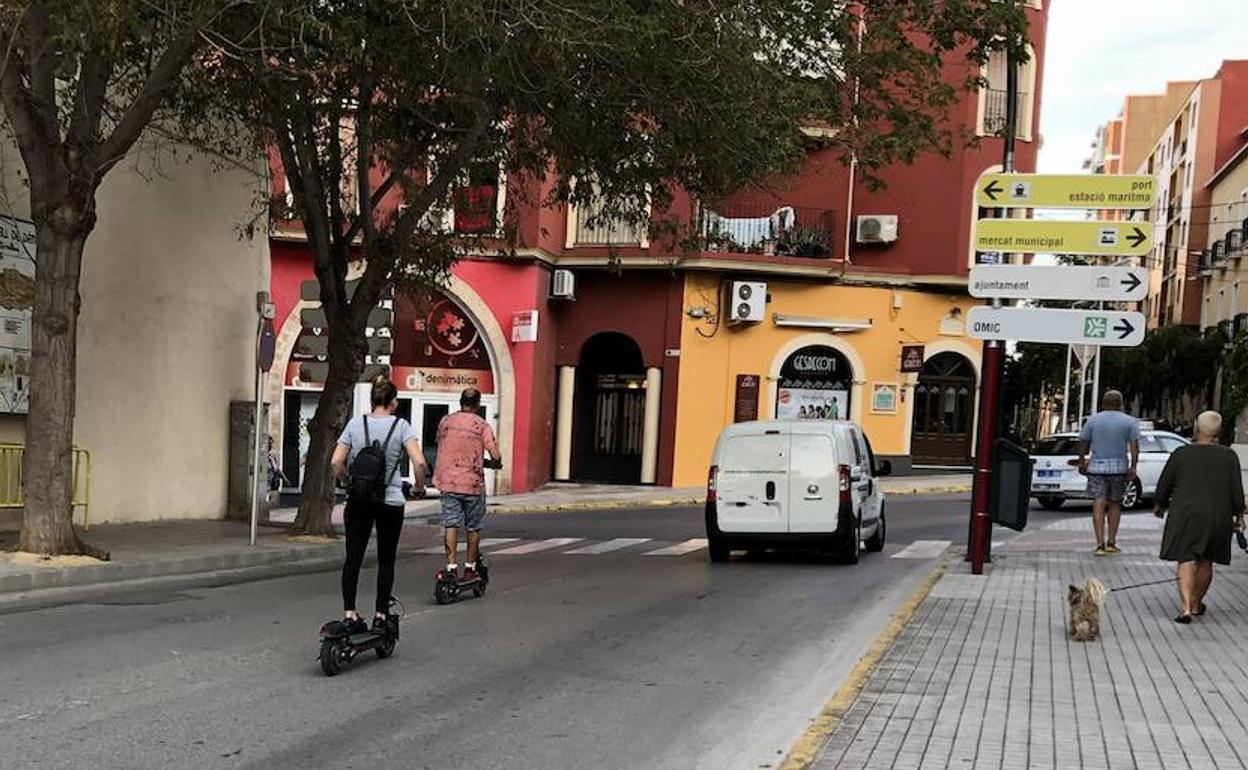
column 1113, row 437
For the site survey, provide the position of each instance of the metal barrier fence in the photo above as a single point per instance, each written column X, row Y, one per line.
column 12, row 484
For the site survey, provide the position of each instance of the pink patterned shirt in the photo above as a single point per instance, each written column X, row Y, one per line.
column 463, row 440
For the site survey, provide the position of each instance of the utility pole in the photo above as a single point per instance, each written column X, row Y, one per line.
column 992, row 367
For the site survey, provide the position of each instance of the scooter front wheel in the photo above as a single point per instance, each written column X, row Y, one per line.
column 331, row 657
column 442, row 593
column 386, row 649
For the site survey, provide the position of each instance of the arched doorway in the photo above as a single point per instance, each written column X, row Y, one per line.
column 815, row 384
column 609, row 410
column 944, row 416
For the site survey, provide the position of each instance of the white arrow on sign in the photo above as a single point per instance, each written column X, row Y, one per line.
column 1108, row 284
column 1068, row 327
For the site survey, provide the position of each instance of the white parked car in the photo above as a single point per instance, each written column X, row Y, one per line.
column 1054, row 480
column 795, row 483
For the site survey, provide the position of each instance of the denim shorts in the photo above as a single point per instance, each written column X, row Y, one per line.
column 467, row 511
column 1106, row 487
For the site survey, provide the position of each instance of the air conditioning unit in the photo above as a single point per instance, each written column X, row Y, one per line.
column 877, row 228
column 747, row 304
column 562, row 285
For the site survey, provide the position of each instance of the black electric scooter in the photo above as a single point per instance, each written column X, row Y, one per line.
column 448, row 586
column 339, row 646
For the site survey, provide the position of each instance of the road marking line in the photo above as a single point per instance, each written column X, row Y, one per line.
column 486, row 542
column 923, row 549
column 807, row 748
column 680, row 549
column 611, row 545
column 538, row 545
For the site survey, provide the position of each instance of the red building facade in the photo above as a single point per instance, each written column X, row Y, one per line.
column 585, row 377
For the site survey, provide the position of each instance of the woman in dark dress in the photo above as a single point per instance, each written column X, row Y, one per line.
column 1203, row 491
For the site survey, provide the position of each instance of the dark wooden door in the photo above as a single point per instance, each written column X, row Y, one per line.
column 944, row 412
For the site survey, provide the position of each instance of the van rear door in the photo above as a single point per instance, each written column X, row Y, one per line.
column 752, row 485
column 814, row 483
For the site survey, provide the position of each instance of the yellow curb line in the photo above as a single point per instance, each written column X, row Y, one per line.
column 807, row 747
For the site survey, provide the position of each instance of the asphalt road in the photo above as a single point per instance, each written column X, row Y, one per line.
column 613, row 659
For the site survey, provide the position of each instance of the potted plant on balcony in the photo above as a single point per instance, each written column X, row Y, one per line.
column 801, row 241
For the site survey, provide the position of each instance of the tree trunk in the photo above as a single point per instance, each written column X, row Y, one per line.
column 47, row 526
column 346, row 361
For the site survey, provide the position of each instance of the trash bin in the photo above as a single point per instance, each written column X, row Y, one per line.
column 1010, row 494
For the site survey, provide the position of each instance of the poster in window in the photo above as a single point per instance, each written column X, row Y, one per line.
column 884, row 398
column 812, row 404
column 17, row 296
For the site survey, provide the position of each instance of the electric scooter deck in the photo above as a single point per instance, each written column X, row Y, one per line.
column 447, row 588
column 339, row 646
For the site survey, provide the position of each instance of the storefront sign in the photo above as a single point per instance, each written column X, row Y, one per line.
column 524, row 326
column 884, row 398
column 912, row 359
column 17, row 296
column 814, row 385
column 745, row 406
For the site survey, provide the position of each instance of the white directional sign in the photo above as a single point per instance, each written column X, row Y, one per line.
column 1069, row 327
column 1108, row 284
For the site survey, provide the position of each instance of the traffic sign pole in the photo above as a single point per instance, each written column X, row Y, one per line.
column 980, row 540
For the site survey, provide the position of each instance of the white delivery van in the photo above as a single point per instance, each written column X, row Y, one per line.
column 795, row 483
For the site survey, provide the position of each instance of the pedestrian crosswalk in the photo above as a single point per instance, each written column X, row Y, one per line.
column 579, row 546
column 646, row 546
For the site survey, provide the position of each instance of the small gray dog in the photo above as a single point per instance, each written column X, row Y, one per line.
column 1085, row 610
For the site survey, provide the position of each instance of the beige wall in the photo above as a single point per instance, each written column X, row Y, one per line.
column 167, row 332
column 1226, row 287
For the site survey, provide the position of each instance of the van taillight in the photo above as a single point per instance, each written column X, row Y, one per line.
column 711, row 493
column 845, row 484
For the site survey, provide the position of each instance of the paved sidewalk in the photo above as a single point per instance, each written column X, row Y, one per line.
column 985, row 676
column 574, row 497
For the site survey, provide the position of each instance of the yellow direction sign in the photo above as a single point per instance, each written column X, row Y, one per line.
column 1032, row 236
column 1105, row 192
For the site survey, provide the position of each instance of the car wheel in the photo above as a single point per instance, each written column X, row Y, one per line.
column 1051, row 503
column 850, row 551
column 717, row 549
column 875, row 543
column 1134, row 496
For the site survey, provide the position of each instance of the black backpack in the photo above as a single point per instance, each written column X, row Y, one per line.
column 367, row 475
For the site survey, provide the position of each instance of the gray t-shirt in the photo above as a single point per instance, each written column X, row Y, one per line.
column 353, row 437
column 1109, row 434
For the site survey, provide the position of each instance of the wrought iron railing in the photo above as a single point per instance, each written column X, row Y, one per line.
column 772, row 229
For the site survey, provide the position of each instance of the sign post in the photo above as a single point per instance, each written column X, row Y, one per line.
column 266, row 348
column 1092, row 238
column 1103, row 284
column 1101, row 192
column 1108, row 328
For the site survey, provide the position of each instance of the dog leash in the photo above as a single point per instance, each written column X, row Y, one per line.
column 1142, row 585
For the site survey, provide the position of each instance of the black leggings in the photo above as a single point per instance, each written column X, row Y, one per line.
column 359, row 519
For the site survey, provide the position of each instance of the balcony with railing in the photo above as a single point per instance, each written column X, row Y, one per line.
column 769, row 229
column 996, row 102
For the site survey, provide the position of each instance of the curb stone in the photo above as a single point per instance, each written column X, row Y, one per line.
column 806, row 749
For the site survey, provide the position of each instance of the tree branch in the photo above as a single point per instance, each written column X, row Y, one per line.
column 378, row 271
column 364, row 164
column 139, row 114
column 89, row 100
column 32, row 139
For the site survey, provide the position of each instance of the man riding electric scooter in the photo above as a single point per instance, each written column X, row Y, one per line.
column 464, row 439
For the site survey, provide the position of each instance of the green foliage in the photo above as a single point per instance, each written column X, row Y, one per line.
column 1234, row 387
column 1173, row 361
